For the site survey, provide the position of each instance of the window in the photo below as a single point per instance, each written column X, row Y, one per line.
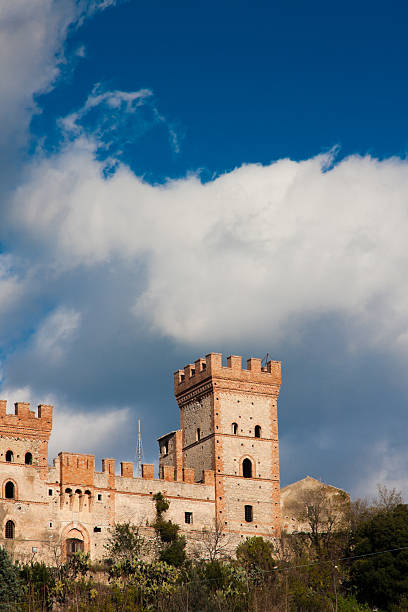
column 28, row 459
column 49, row 491
column 9, row 456
column 247, row 468
column 68, row 490
column 87, row 492
column 99, row 497
column 78, row 491
column 188, row 518
column 97, row 529
column 257, row 431
column 249, row 514
column 234, row 428
column 165, row 448
column 198, row 434
column 9, row 531
column 9, row 490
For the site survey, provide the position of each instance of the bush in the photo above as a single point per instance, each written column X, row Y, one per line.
column 11, row 587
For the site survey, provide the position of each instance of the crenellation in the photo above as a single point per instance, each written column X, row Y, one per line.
column 228, row 416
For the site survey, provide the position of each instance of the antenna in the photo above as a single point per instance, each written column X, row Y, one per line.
column 139, row 450
column 265, row 360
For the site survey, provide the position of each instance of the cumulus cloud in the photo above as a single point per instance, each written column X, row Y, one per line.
column 259, row 247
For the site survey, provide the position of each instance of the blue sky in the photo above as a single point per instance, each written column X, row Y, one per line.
column 186, row 177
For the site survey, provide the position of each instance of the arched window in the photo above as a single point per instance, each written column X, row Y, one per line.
column 78, row 491
column 9, row 456
column 68, row 490
column 9, row 490
column 88, row 493
column 9, row 531
column 198, row 434
column 257, row 431
column 249, row 515
column 234, row 428
column 28, row 459
column 247, row 468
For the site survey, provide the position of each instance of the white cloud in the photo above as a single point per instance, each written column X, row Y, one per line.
column 261, row 247
column 388, row 467
column 74, row 430
column 87, row 432
column 32, row 37
column 55, row 332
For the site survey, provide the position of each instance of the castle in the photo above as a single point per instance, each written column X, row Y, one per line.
column 221, row 466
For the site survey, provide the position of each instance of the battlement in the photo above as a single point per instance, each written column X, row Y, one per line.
column 25, row 418
column 211, row 367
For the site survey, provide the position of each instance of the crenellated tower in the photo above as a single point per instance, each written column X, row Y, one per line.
column 24, row 435
column 229, row 424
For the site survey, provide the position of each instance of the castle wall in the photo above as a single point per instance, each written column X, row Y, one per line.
column 201, row 472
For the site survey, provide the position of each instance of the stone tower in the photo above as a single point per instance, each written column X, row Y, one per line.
column 229, row 424
column 24, row 435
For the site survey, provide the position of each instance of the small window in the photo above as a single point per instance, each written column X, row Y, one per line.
column 50, row 524
column 78, row 491
column 49, row 491
column 234, row 428
column 9, row 531
column 99, row 497
column 9, row 490
column 87, row 492
column 28, row 459
column 249, row 514
column 97, row 529
column 247, row 468
column 257, row 431
column 9, row 456
column 68, row 490
column 188, row 518
column 198, row 434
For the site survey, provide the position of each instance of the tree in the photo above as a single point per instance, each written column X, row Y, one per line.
column 11, row 587
column 380, row 575
column 125, row 542
column 255, row 555
column 216, row 542
column 324, row 513
column 170, row 543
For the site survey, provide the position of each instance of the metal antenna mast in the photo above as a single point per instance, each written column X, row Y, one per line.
column 139, row 450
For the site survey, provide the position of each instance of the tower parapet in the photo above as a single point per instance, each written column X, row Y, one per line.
column 211, row 367
column 25, row 420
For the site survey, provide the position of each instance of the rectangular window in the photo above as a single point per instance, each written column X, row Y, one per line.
column 99, row 497
column 97, row 529
column 50, row 524
column 248, row 514
column 188, row 518
column 49, row 491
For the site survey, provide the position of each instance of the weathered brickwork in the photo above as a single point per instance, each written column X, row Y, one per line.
column 221, row 465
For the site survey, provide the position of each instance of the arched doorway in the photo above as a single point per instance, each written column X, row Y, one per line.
column 76, row 539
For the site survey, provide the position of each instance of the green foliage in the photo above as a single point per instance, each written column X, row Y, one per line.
column 125, row 542
column 77, row 565
column 11, row 587
column 152, row 580
column 170, row 543
column 255, row 555
column 381, row 580
column 40, row 584
column 174, row 553
column 162, row 505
